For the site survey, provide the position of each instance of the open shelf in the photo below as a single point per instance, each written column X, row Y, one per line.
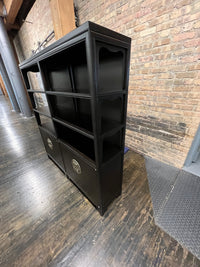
column 45, row 122
column 111, row 146
column 32, row 78
column 39, row 103
column 67, row 70
column 111, row 67
column 76, row 140
column 108, row 93
column 74, row 128
column 111, row 110
column 72, row 110
column 69, row 94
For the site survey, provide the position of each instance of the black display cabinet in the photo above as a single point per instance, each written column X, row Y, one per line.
column 78, row 89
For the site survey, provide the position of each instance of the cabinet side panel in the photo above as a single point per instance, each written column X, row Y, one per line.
column 111, row 180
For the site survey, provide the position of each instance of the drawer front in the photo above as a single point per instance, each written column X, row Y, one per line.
column 52, row 147
column 83, row 175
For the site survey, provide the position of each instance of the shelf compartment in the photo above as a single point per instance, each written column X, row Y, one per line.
column 111, row 93
column 81, row 174
column 45, row 122
column 79, row 142
column 111, row 67
column 32, row 78
column 67, row 70
column 113, row 131
column 111, row 146
column 39, row 103
column 52, row 147
column 72, row 110
column 111, row 110
column 74, row 128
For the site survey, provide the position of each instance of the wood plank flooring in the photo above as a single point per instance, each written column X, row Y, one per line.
column 45, row 220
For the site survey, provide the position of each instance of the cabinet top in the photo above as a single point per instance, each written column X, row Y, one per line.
column 86, row 27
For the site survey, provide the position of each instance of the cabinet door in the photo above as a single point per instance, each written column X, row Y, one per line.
column 82, row 175
column 52, row 147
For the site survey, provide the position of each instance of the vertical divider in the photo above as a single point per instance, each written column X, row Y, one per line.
column 32, row 99
column 44, row 83
column 91, row 62
column 125, row 100
column 26, row 80
column 71, row 73
column 37, row 116
column 92, row 72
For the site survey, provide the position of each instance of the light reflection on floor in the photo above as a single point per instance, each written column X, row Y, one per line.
column 32, row 190
column 36, row 199
column 13, row 138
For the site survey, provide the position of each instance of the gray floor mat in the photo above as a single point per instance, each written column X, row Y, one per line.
column 161, row 178
column 176, row 202
column 180, row 217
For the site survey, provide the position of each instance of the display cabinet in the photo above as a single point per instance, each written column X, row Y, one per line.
column 78, row 88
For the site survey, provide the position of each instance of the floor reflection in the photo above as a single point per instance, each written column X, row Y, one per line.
column 12, row 136
column 36, row 194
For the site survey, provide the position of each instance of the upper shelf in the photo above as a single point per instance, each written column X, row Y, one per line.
column 110, row 68
column 67, row 71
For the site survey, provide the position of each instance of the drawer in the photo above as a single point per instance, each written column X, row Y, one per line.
column 52, row 147
column 84, row 176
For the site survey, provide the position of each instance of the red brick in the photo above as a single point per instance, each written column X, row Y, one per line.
column 184, row 36
column 192, row 43
column 144, row 11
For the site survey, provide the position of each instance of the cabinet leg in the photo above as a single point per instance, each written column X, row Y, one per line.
column 102, row 210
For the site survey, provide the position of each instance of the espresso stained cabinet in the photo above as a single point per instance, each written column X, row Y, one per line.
column 78, row 89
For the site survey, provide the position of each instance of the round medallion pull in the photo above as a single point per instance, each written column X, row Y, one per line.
column 50, row 144
column 76, row 166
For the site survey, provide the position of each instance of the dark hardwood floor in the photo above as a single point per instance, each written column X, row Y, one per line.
column 45, row 220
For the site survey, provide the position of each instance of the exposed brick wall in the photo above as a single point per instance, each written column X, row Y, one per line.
column 37, row 27
column 164, row 95
column 164, row 87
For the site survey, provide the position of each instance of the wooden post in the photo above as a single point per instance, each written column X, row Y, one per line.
column 12, row 8
column 63, row 17
column 2, row 86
